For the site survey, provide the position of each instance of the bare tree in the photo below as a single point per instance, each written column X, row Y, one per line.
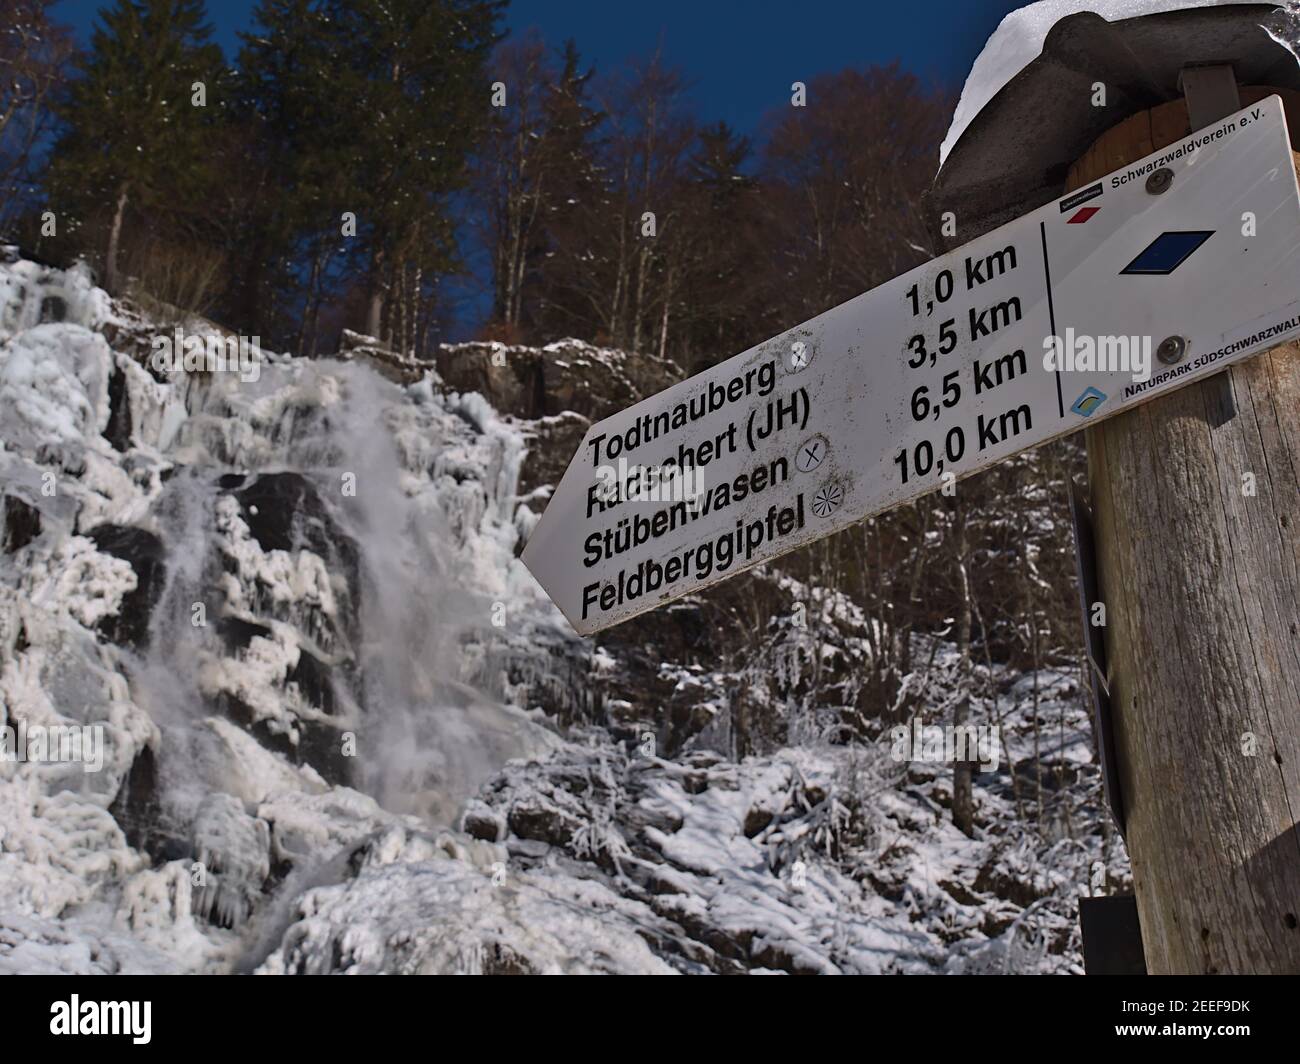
column 843, row 180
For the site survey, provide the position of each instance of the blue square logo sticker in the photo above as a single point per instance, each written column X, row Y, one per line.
column 1088, row 402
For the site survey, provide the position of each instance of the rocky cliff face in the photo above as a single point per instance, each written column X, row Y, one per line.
column 343, row 730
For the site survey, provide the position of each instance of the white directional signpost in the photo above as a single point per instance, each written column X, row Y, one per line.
column 1168, row 269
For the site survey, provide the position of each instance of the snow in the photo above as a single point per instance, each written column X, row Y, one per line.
column 52, row 385
column 736, row 875
column 28, row 292
column 30, row 946
column 232, row 830
column 416, row 909
column 80, row 581
column 1018, row 41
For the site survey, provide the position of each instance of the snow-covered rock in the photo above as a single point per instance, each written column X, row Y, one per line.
column 344, row 730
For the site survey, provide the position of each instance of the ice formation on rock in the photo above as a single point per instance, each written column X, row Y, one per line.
column 277, row 600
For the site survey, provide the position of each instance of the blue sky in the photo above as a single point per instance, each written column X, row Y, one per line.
column 740, row 56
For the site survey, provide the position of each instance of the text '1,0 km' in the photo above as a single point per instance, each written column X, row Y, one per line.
column 1167, row 270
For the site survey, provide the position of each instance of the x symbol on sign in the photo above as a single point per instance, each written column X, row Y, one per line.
column 811, row 453
column 798, row 355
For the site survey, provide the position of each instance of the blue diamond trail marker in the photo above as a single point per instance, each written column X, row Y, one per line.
column 1166, row 253
column 934, row 375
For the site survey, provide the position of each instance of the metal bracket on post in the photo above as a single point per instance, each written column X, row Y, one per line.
column 1112, row 936
column 1210, row 91
column 1085, row 553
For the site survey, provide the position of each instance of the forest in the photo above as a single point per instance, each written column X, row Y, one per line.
column 407, row 171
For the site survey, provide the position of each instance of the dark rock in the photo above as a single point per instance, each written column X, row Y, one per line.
column 319, row 744
column 960, row 893
column 695, row 782
column 236, row 633
column 118, row 429
column 482, row 824
column 540, row 823
column 768, row 955
column 385, row 362
column 639, row 817
column 657, row 881
column 551, row 445
column 995, row 880
column 756, row 819
column 314, row 682
column 137, row 808
column 725, row 945
column 502, row 960
column 565, row 376
column 512, row 385
column 53, row 309
column 145, row 553
column 22, row 524
column 284, row 511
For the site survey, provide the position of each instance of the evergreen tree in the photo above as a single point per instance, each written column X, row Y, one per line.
column 363, row 114
column 133, row 141
column 717, row 163
column 726, row 243
column 576, row 209
column 573, row 129
column 411, row 100
column 297, row 189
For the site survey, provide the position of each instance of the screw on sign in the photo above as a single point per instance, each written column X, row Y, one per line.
column 1171, row 349
column 996, row 347
column 1160, row 181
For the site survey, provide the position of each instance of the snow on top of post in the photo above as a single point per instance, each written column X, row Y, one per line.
column 1018, row 41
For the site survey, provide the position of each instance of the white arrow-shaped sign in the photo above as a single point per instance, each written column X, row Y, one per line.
column 1166, row 270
